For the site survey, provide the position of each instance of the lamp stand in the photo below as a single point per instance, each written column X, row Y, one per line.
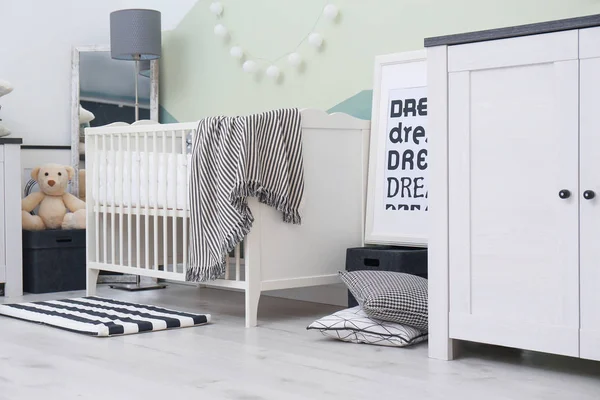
column 137, row 286
column 137, row 73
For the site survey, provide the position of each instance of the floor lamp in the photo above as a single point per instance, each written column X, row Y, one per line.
column 135, row 35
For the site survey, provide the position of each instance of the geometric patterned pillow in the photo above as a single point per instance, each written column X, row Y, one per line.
column 355, row 326
column 390, row 296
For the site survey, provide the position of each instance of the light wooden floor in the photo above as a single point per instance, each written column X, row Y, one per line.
column 279, row 360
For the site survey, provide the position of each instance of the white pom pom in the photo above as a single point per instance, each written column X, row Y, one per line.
column 294, row 59
column 216, row 8
column 315, row 39
column 273, row 72
column 236, row 52
column 5, row 88
column 330, row 12
column 4, row 131
column 220, row 30
column 249, row 66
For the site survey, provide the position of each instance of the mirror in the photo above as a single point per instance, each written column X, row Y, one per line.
column 103, row 92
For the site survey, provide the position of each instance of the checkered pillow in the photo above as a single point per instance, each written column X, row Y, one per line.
column 390, row 296
column 355, row 326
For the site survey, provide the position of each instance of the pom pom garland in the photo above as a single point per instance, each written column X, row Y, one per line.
column 294, row 59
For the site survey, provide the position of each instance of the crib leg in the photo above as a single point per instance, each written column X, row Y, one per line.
column 252, row 299
column 92, row 280
column 252, row 265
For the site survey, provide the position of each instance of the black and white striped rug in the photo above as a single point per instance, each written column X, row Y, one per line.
column 102, row 317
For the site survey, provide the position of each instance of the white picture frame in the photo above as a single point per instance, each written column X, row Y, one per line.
column 398, row 74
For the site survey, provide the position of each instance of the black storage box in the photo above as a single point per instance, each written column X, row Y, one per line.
column 54, row 260
column 410, row 260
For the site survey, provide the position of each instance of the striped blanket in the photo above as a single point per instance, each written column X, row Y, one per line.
column 232, row 158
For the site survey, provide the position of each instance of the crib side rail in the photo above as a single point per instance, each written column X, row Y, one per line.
column 142, row 128
column 138, row 205
column 137, row 197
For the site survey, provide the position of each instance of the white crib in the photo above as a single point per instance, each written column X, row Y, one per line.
column 138, row 208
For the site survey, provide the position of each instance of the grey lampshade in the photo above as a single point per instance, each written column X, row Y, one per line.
column 135, row 34
column 145, row 68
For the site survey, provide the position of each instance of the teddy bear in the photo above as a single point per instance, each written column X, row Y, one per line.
column 58, row 209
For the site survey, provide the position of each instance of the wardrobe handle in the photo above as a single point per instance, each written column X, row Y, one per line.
column 564, row 194
column 589, row 194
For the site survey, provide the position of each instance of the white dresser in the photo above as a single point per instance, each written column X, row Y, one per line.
column 11, row 269
column 514, row 251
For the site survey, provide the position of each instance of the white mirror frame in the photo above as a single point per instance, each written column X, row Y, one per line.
column 75, row 88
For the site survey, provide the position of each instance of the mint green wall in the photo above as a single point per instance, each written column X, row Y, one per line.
column 200, row 78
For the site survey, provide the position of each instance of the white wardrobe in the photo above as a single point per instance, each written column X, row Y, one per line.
column 515, row 191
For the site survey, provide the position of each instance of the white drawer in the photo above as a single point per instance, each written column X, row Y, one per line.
column 1, row 153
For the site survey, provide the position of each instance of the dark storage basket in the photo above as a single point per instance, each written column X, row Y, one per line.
column 54, row 260
column 410, row 260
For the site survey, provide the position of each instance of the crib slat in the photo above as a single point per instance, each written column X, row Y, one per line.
column 185, row 206
column 96, row 185
column 174, row 219
column 139, row 203
column 113, row 257
column 155, row 177
column 147, row 184
column 121, row 202
column 165, row 241
column 130, row 184
column 105, row 161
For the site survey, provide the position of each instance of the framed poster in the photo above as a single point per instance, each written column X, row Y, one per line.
column 397, row 194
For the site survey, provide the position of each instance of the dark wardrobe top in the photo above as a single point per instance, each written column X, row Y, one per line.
column 10, row 140
column 588, row 21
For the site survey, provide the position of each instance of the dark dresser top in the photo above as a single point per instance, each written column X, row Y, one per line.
column 11, row 140
column 588, row 21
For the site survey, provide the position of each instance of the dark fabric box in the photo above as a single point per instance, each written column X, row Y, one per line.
column 410, row 260
column 54, row 260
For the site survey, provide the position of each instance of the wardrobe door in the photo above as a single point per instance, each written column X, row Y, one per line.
column 590, row 190
column 513, row 193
